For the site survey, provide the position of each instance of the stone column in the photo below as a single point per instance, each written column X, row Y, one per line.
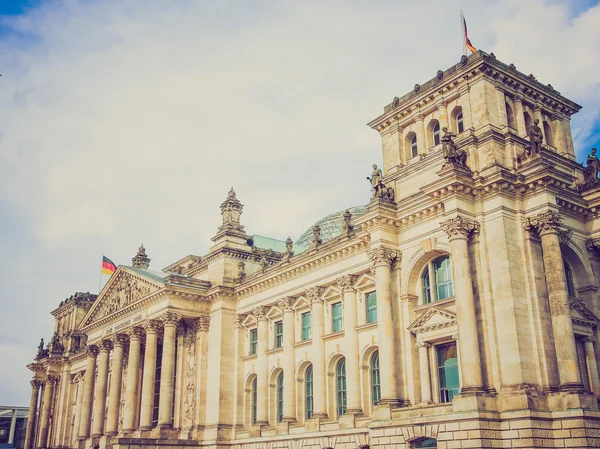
column 88, row 392
column 592, row 365
column 167, row 370
column 519, row 116
column 262, row 368
column 13, row 425
column 46, row 406
column 443, row 115
column 315, row 294
column 179, row 365
column 559, row 142
column 382, row 259
column 199, row 401
column 148, row 377
column 346, row 284
column 420, row 131
column 547, row 225
column 424, row 371
column 101, row 386
column 289, row 361
column 459, row 230
column 33, row 403
column 501, row 107
column 131, row 387
column 114, row 399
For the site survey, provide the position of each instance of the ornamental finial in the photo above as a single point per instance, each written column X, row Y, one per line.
column 141, row 259
column 231, row 211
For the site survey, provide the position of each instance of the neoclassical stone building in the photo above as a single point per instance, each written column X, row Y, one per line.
column 458, row 309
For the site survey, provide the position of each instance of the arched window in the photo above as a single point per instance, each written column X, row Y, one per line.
column 375, row 378
column 510, row 117
column 253, row 400
column 436, row 134
column 308, row 381
column 548, row 134
column 340, row 377
column 280, row 397
column 438, row 274
column 460, row 126
column 424, row 442
column 414, row 149
column 569, row 279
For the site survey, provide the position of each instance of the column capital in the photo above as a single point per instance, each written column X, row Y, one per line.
column 91, row 350
column 105, row 345
column 588, row 338
column 260, row 313
column 201, row 324
column 286, row 304
column 170, row 319
column 152, row 326
column 346, row 282
column 419, row 117
column 51, row 379
column 239, row 319
column 422, row 344
column 544, row 223
column 135, row 333
column 517, row 98
column 460, row 227
column 35, row 384
column 383, row 256
column 315, row 294
column 119, row 340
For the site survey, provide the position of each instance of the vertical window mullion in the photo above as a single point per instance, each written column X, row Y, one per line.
column 432, row 286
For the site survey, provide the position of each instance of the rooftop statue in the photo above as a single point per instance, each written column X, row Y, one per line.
column 535, row 138
column 590, row 173
column 378, row 188
column 452, row 153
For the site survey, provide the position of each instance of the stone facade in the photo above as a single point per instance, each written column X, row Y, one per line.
column 459, row 311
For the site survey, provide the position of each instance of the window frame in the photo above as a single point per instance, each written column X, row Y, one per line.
column 253, row 401
column 278, row 334
column 375, row 378
column 569, row 280
column 306, row 330
column 279, row 396
column 445, row 393
column 370, row 309
column 339, row 319
column 429, row 283
column 460, row 122
column 309, row 403
column 341, row 387
column 414, row 146
column 436, row 134
column 253, row 341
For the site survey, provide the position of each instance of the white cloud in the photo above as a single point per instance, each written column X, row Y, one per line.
column 127, row 122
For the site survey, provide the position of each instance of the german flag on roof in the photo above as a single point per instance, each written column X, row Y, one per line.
column 108, row 266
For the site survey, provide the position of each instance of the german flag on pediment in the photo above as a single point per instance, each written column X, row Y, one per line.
column 108, row 266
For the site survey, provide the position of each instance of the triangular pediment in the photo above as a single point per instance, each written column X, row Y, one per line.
column 581, row 314
column 433, row 317
column 125, row 287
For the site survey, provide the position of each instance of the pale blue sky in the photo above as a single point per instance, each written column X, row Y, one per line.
column 128, row 121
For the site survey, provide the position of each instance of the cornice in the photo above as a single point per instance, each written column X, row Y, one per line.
column 301, row 264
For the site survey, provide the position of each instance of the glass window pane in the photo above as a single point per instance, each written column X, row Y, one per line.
column 341, row 387
column 449, row 385
column 371, row 300
column 309, row 392
column 569, row 279
column 443, row 278
column 278, row 334
column 413, row 146
column 254, row 401
column 280, row 397
column 426, row 286
column 306, row 327
column 436, row 134
column 459, row 122
column 425, row 442
column 336, row 314
column 253, row 341
column 375, row 379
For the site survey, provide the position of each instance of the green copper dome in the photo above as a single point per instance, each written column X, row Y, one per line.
column 331, row 226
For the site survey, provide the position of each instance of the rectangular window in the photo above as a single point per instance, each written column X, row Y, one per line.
column 336, row 316
column 306, row 327
column 253, row 341
column 371, row 300
column 447, row 363
column 278, row 334
column 159, row 352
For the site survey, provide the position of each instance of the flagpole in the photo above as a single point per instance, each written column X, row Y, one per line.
column 100, row 279
column 462, row 28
